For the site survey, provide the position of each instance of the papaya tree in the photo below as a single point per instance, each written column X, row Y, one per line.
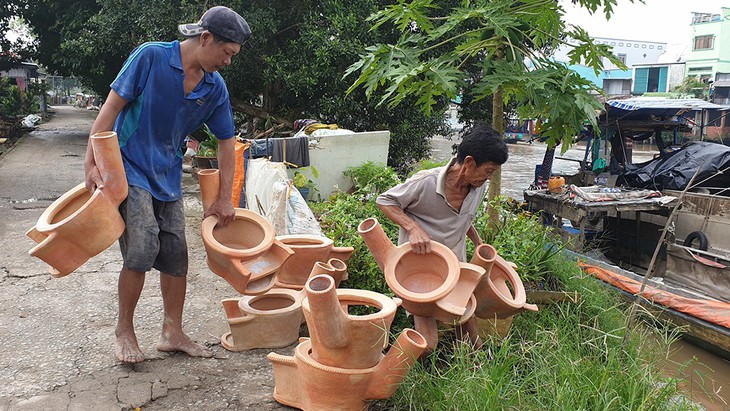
column 510, row 43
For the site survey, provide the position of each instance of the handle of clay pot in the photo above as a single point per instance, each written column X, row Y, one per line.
column 234, row 314
column 376, row 240
column 240, row 268
column 530, row 307
column 342, row 253
column 241, row 320
column 280, row 359
column 43, row 249
column 393, row 368
column 230, row 306
column 36, row 235
column 240, row 279
column 108, row 158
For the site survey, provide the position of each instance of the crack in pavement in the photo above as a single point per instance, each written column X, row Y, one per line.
column 8, row 274
column 33, row 207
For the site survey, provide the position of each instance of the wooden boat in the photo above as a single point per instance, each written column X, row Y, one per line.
column 693, row 264
column 702, row 320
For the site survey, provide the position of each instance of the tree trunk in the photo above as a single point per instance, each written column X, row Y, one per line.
column 495, row 183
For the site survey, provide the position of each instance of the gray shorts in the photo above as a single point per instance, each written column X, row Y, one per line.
column 154, row 236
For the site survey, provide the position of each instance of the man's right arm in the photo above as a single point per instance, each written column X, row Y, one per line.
column 104, row 122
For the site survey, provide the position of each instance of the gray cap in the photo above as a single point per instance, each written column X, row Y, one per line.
column 222, row 21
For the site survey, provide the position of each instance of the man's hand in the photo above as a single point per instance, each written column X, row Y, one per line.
column 223, row 210
column 92, row 178
column 419, row 239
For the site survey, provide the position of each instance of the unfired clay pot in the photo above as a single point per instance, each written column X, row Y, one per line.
column 245, row 252
column 431, row 285
column 493, row 294
column 304, row 383
column 269, row 320
column 341, row 339
column 79, row 224
column 308, row 249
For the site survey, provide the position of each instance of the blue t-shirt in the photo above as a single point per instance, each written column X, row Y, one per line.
column 153, row 125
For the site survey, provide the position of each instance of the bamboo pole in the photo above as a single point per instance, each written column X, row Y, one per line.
column 650, row 269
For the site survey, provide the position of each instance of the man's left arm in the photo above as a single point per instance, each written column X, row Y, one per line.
column 227, row 166
column 473, row 235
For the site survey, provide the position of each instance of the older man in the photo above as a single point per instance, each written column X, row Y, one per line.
column 440, row 205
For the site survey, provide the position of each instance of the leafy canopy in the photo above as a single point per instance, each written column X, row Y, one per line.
column 301, row 48
column 508, row 41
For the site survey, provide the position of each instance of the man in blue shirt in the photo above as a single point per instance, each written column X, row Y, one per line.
column 165, row 91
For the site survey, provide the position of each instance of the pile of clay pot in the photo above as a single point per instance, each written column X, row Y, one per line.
column 287, row 280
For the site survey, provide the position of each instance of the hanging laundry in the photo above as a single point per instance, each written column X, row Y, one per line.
column 294, row 150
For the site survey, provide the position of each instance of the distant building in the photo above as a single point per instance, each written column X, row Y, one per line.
column 721, row 89
column 710, row 48
column 632, row 53
column 657, row 78
column 21, row 74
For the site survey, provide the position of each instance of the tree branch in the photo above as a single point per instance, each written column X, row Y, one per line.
column 259, row 112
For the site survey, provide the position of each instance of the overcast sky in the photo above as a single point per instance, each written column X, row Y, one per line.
column 665, row 21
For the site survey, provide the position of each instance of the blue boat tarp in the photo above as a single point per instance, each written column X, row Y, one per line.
column 643, row 107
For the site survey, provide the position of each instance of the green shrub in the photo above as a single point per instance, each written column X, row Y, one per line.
column 371, row 179
column 427, row 164
column 524, row 240
column 10, row 98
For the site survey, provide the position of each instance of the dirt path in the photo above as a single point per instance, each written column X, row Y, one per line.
column 57, row 334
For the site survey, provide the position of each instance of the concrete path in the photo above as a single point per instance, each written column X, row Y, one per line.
column 56, row 335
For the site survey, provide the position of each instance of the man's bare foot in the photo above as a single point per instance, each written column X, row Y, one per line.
column 181, row 342
column 126, row 348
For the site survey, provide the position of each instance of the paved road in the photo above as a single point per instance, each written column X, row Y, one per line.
column 57, row 334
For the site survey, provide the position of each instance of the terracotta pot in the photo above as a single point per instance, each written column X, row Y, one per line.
column 79, row 224
column 308, row 249
column 339, row 274
column 270, row 320
column 335, row 268
column 493, row 294
column 341, row 339
column 431, row 285
column 304, row 383
column 245, row 252
column 210, row 182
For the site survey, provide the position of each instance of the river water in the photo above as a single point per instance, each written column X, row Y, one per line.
column 708, row 374
column 519, row 171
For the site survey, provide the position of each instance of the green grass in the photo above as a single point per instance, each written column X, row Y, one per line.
column 568, row 356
